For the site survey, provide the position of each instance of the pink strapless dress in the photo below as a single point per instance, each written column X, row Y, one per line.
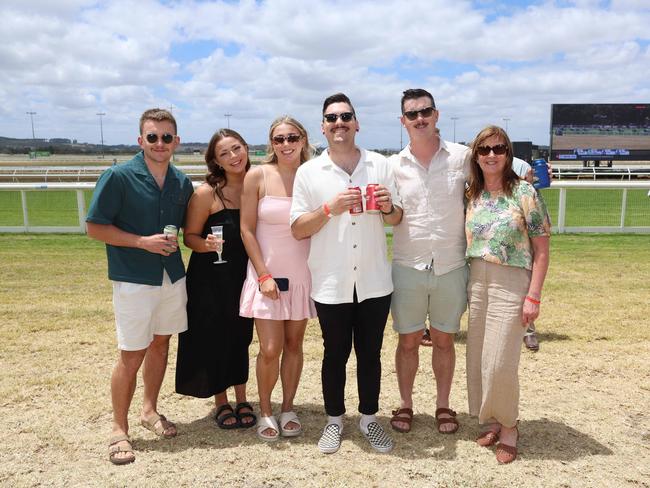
column 285, row 257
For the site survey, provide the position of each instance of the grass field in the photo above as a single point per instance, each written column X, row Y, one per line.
column 584, row 207
column 600, row 208
column 583, row 411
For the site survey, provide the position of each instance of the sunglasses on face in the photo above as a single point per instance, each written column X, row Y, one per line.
column 345, row 117
column 166, row 138
column 291, row 139
column 424, row 112
column 498, row 150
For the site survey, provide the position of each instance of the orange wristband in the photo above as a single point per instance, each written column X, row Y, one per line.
column 326, row 209
column 532, row 300
column 263, row 278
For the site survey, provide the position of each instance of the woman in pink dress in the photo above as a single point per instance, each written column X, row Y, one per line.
column 280, row 309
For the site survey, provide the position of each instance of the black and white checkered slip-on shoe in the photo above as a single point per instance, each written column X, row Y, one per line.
column 378, row 438
column 330, row 441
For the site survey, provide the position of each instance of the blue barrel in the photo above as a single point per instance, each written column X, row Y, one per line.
column 540, row 174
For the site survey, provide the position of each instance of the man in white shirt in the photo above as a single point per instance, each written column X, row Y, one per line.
column 351, row 282
column 429, row 270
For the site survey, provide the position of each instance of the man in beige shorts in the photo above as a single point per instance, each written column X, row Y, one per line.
column 132, row 204
column 429, row 269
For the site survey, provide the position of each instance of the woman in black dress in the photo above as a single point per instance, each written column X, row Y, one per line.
column 213, row 352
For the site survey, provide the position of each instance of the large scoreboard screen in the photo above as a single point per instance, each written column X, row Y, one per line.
column 600, row 131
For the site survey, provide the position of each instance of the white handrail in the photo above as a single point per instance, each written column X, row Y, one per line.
column 560, row 225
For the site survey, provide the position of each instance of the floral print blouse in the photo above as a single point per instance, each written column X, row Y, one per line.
column 499, row 227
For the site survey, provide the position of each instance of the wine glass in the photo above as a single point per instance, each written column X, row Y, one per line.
column 217, row 231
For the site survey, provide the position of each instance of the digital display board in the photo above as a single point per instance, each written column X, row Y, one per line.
column 600, row 131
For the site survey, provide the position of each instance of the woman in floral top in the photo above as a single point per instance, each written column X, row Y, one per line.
column 507, row 228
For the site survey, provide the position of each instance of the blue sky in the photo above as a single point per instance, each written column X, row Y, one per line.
column 484, row 61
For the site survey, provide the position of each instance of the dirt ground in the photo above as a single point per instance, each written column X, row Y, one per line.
column 583, row 423
column 584, row 404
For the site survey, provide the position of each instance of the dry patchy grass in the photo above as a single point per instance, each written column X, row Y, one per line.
column 584, row 403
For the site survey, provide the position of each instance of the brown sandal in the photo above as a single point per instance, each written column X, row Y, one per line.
column 440, row 421
column 114, row 450
column 487, row 438
column 505, row 453
column 425, row 340
column 397, row 417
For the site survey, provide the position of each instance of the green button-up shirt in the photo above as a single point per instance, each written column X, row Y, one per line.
column 127, row 196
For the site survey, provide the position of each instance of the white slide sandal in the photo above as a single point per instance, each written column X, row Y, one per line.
column 266, row 423
column 285, row 418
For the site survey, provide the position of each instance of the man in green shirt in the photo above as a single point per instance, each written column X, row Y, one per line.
column 132, row 203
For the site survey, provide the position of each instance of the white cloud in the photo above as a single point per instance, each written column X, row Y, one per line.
column 68, row 60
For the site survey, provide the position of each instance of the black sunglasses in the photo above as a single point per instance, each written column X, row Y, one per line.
column 166, row 138
column 498, row 150
column 291, row 138
column 425, row 113
column 345, row 117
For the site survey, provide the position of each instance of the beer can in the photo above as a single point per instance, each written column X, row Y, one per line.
column 170, row 230
column 357, row 208
column 372, row 207
column 540, row 174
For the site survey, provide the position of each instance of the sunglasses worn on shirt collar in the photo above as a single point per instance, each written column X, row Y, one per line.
column 153, row 138
column 345, row 117
column 498, row 149
column 291, row 139
column 424, row 112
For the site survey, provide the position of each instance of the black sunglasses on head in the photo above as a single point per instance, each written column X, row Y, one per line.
column 291, row 138
column 498, row 150
column 153, row 138
column 424, row 112
column 345, row 117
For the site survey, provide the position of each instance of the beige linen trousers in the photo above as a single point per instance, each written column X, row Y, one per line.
column 495, row 332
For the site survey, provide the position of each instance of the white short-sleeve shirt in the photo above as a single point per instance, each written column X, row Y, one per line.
column 348, row 251
column 432, row 230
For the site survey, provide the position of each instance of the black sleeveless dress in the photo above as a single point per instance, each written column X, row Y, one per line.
column 213, row 352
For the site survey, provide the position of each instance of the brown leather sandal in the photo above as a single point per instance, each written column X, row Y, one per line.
column 487, row 438
column 440, row 421
column 403, row 415
column 505, row 453
column 425, row 340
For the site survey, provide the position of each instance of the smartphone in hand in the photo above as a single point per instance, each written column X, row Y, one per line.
column 283, row 283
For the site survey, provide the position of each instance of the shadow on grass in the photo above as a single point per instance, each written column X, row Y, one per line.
column 461, row 337
column 540, row 439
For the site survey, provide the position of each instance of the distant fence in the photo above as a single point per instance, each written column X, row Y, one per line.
column 575, row 206
column 71, row 174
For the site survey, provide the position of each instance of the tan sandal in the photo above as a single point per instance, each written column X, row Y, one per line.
column 114, row 450
column 440, row 421
column 159, row 425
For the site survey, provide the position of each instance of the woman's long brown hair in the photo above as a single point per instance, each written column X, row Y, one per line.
column 216, row 176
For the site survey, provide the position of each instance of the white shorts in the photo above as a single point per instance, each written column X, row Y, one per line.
column 142, row 311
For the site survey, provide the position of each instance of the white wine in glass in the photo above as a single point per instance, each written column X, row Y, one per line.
column 217, row 231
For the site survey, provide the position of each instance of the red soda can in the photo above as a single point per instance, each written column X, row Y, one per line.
column 372, row 207
column 357, row 208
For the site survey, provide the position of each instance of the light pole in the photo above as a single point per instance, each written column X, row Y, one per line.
column 506, row 119
column 454, row 119
column 31, row 116
column 101, row 130
column 227, row 116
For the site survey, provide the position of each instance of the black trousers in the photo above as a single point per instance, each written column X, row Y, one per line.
column 363, row 324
